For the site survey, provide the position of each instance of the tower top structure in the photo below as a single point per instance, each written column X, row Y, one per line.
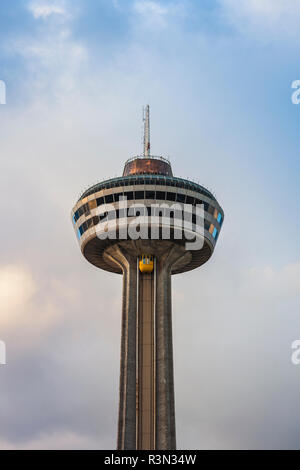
column 147, row 163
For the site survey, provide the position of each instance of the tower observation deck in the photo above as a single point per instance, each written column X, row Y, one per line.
column 147, row 225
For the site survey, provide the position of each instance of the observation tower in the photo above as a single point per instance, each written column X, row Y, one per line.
column 147, row 225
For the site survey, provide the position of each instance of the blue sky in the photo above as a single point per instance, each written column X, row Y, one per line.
column 217, row 75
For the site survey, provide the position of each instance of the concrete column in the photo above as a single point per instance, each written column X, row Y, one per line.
column 165, row 400
column 127, row 391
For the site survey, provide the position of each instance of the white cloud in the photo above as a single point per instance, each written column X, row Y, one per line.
column 53, row 58
column 157, row 14
column 29, row 308
column 263, row 17
column 16, row 290
column 44, row 10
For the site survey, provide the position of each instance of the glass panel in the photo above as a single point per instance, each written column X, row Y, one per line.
column 160, row 195
column 109, row 199
column 150, row 195
column 171, row 196
column 139, row 195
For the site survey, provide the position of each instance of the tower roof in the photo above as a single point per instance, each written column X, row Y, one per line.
column 147, row 165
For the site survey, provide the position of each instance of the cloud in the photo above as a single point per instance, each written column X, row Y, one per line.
column 157, row 14
column 16, row 289
column 29, row 308
column 263, row 17
column 240, row 328
column 52, row 57
column 67, row 440
column 44, row 10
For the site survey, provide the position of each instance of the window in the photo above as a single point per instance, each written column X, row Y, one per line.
column 160, row 195
column 100, row 201
column 109, row 199
column 89, row 223
column 139, row 195
column 129, row 195
column 190, row 200
column 96, row 220
column 86, row 209
column 211, row 210
column 219, row 218
column 171, row 196
column 180, row 197
column 150, row 195
column 215, row 232
column 206, row 225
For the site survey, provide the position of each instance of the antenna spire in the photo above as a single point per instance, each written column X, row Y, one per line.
column 146, row 119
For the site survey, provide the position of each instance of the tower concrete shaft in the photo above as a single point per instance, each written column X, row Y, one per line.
column 146, row 402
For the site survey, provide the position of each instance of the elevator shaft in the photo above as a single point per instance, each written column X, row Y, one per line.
column 145, row 374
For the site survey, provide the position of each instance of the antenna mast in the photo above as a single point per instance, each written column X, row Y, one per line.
column 146, row 119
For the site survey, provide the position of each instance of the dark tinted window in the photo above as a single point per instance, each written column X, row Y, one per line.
column 139, row 195
column 129, row 195
column 171, row 196
column 109, row 199
column 160, row 195
column 180, row 197
column 150, row 194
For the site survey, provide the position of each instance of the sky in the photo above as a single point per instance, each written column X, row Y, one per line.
column 217, row 75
